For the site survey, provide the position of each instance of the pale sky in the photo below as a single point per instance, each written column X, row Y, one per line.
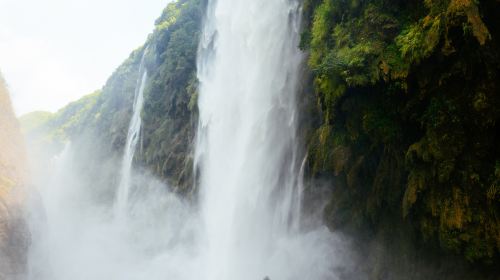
column 55, row 51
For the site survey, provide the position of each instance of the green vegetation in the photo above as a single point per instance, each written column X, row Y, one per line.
column 34, row 120
column 169, row 115
column 407, row 97
column 56, row 129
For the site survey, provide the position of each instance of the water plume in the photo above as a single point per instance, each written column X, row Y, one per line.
column 247, row 148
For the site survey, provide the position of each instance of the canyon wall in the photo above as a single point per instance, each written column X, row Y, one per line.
column 14, row 236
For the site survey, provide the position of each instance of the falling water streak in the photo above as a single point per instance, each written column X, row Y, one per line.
column 131, row 145
column 246, row 147
column 299, row 196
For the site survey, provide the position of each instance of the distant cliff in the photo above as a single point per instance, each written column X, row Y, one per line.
column 14, row 235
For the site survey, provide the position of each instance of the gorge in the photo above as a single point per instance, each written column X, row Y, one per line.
column 277, row 139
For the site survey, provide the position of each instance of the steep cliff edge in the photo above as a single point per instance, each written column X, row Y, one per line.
column 14, row 236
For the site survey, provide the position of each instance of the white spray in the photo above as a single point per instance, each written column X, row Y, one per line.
column 247, row 147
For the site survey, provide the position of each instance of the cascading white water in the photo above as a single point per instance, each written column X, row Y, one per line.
column 247, row 225
column 247, row 147
column 133, row 134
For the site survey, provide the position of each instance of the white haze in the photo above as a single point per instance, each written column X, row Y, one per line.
column 80, row 239
column 246, row 222
column 55, row 51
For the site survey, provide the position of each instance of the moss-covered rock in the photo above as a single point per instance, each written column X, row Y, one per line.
column 410, row 90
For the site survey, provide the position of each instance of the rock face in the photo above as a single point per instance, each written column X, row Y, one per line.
column 14, row 234
column 407, row 128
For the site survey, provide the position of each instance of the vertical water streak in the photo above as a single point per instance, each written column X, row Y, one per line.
column 133, row 136
column 246, row 148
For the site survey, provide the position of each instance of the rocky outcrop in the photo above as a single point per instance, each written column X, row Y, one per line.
column 407, row 129
column 14, row 234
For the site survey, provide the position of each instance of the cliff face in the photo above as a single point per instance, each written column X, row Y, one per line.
column 407, row 126
column 169, row 114
column 14, row 236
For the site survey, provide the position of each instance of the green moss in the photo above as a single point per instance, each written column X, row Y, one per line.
column 410, row 89
column 419, row 40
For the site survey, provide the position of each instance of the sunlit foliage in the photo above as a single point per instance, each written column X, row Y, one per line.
column 407, row 94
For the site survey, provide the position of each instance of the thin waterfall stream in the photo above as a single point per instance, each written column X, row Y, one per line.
column 131, row 144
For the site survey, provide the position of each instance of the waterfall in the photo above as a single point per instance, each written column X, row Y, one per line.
column 247, row 151
column 133, row 135
column 245, row 224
